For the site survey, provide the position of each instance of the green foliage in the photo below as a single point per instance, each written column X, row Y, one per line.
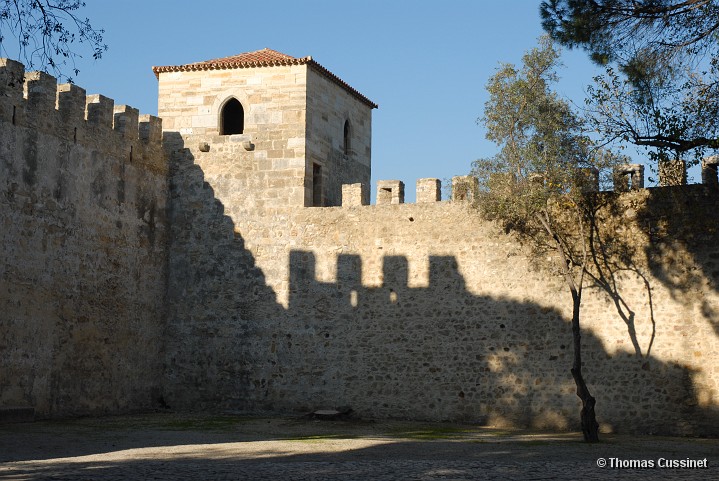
column 672, row 120
column 664, row 92
column 540, row 182
column 624, row 31
column 42, row 34
column 544, row 153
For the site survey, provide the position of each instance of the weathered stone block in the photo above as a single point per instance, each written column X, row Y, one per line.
column 672, row 172
column 41, row 90
column 624, row 173
column 464, row 188
column 390, row 192
column 709, row 171
column 71, row 104
column 99, row 111
column 12, row 75
column 150, row 128
column 126, row 121
column 429, row 190
column 355, row 195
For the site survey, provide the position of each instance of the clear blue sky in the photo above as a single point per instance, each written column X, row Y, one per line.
column 426, row 63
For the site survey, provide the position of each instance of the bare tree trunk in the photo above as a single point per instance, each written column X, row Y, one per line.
column 590, row 427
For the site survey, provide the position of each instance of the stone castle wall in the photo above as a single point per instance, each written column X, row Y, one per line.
column 424, row 311
column 83, row 192
column 133, row 278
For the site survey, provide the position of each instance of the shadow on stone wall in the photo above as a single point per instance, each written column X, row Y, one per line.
column 683, row 227
column 215, row 294
column 434, row 353
column 82, row 252
column 442, row 353
column 613, row 259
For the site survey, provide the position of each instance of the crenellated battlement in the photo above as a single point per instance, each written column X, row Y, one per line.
column 129, row 286
column 35, row 100
column 429, row 190
column 625, row 177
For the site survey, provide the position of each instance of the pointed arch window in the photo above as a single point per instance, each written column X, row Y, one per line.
column 347, row 144
column 232, row 118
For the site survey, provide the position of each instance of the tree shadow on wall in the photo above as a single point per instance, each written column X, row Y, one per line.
column 682, row 225
column 436, row 353
column 613, row 264
column 442, row 353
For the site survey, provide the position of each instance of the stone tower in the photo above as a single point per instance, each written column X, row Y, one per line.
column 269, row 130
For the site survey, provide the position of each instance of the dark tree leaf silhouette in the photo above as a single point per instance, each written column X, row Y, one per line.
column 48, row 35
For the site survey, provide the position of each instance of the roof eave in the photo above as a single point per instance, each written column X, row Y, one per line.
column 274, row 63
column 334, row 78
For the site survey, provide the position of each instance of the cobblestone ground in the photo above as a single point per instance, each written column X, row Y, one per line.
column 178, row 447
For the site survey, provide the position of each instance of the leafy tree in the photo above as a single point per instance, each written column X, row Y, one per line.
column 675, row 119
column 668, row 54
column 619, row 30
column 42, row 34
column 538, row 184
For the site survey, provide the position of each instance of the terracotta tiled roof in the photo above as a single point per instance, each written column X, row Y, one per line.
column 262, row 58
column 258, row 57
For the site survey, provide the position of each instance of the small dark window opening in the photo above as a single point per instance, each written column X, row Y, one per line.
column 316, row 185
column 347, row 144
column 232, row 118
